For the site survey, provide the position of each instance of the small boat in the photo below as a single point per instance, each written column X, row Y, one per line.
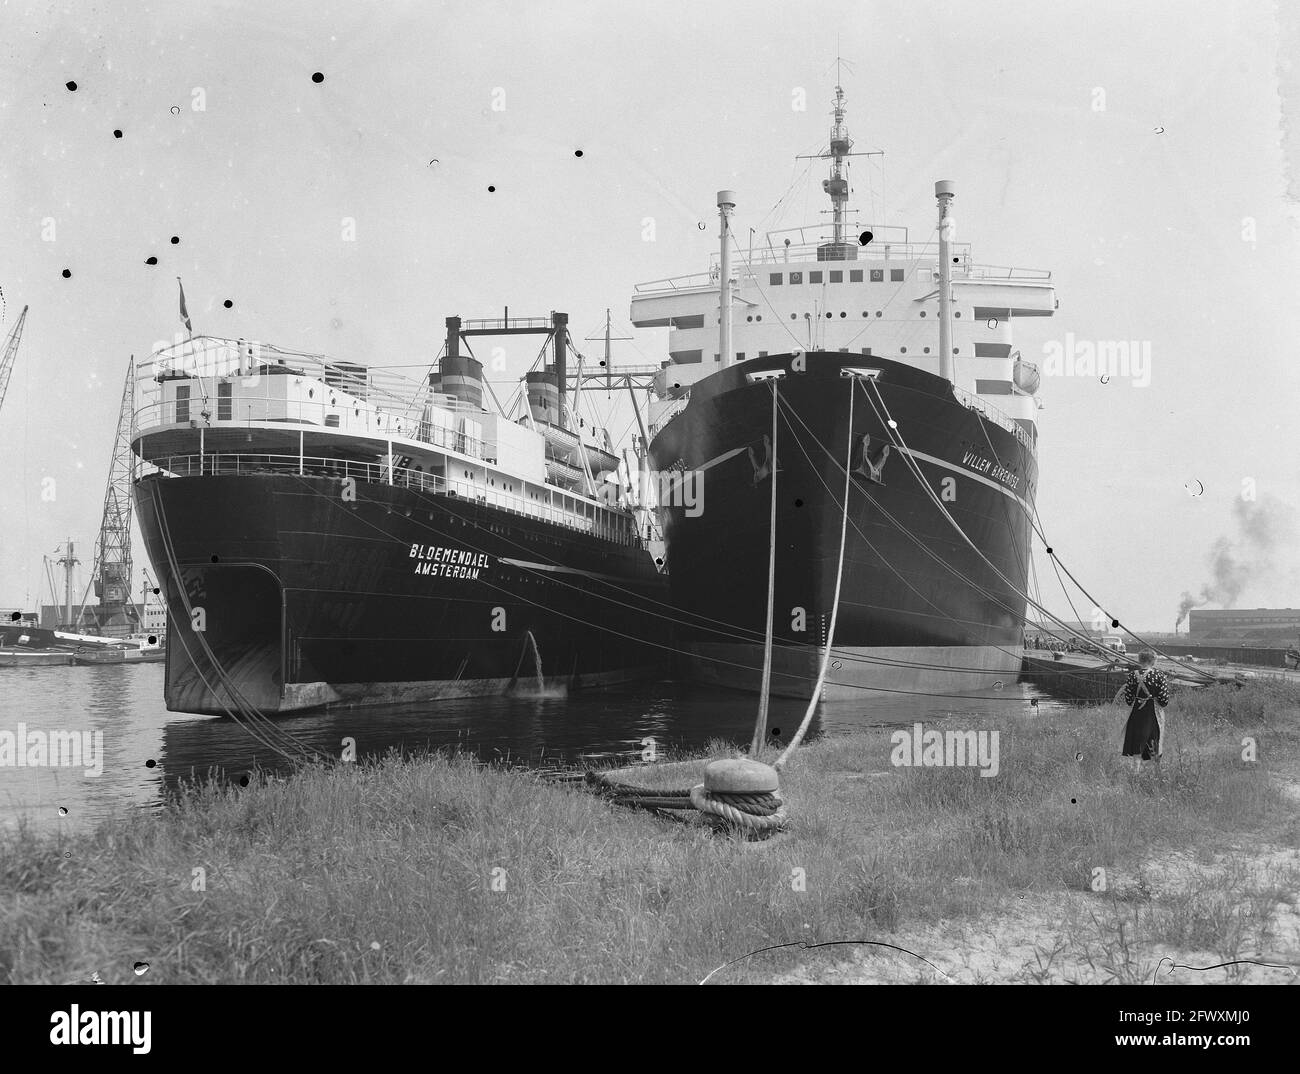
column 27, row 658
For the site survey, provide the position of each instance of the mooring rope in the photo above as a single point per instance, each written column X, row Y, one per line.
column 765, row 690
column 722, row 797
column 835, row 603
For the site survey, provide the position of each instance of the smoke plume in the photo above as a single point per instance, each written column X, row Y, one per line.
column 1263, row 527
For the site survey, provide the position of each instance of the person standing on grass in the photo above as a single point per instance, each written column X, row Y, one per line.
column 1147, row 690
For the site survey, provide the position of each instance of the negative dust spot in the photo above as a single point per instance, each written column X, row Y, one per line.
column 63, row 811
column 72, row 86
column 141, row 968
column 1078, row 757
column 117, row 134
column 67, row 274
column 151, row 763
column 151, row 261
column 865, row 238
column 318, row 78
column 227, row 303
column 176, row 110
column 492, row 190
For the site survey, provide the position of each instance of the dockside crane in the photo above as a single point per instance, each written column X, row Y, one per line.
column 10, row 353
column 116, row 616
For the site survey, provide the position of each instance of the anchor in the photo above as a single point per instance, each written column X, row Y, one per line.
column 872, row 467
column 762, row 465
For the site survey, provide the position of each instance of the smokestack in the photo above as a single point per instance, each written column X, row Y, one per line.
column 726, row 203
column 945, row 190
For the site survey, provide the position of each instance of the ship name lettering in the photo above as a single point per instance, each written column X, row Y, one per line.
column 982, row 465
column 447, row 562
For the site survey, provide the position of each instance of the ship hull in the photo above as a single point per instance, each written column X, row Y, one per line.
column 286, row 593
column 926, row 606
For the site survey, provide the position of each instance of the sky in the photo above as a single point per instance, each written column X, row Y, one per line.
column 1143, row 152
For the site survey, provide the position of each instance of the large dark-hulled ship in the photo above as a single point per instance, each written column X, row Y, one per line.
column 327, row 533
column 874, row 380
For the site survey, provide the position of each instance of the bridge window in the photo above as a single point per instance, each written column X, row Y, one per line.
column 182, row 402
column 896, row 275
column 877, row 275
column 226, row 403
column 837, row 276
column 796, row 277
column 814, row 277
column 774, row 280
column 855, row 275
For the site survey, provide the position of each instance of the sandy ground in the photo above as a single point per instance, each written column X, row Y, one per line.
column 1071, row 936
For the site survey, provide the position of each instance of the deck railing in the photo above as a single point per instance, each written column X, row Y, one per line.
column 585, row 517
column 975, row 402
column 804, row 256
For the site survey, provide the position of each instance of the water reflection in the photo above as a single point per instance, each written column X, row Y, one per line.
column 125, row 704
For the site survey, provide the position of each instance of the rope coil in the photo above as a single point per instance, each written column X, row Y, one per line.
column 759, row 811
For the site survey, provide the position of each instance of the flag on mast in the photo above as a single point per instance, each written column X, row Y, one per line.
column 185, row 314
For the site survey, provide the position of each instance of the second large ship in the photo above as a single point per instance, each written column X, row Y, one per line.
column 874, row 380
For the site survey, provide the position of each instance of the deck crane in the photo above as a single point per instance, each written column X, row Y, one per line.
column 10, row 352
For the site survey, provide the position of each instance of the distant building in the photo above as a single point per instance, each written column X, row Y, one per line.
column 152, row 618
column 1242, row 622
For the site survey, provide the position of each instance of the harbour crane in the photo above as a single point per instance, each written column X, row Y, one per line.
column 116, row 616
column 10, row 353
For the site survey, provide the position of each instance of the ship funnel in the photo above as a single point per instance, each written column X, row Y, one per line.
column 726, row 204
column 543, row 389
column 458, row 375
column 944, row 191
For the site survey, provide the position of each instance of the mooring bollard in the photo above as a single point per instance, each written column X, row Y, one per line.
column 741, row 792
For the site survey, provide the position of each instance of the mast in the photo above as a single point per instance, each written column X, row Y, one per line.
column 68, row 562
column 837, row 186
column 841, row 246
column 944, row 190
column 726, row 203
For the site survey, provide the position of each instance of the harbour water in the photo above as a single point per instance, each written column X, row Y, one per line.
column 147, row 750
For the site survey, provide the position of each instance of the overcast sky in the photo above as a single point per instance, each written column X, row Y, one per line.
column 1142, row 152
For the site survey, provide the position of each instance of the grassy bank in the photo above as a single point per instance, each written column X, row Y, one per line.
column 384, row 872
